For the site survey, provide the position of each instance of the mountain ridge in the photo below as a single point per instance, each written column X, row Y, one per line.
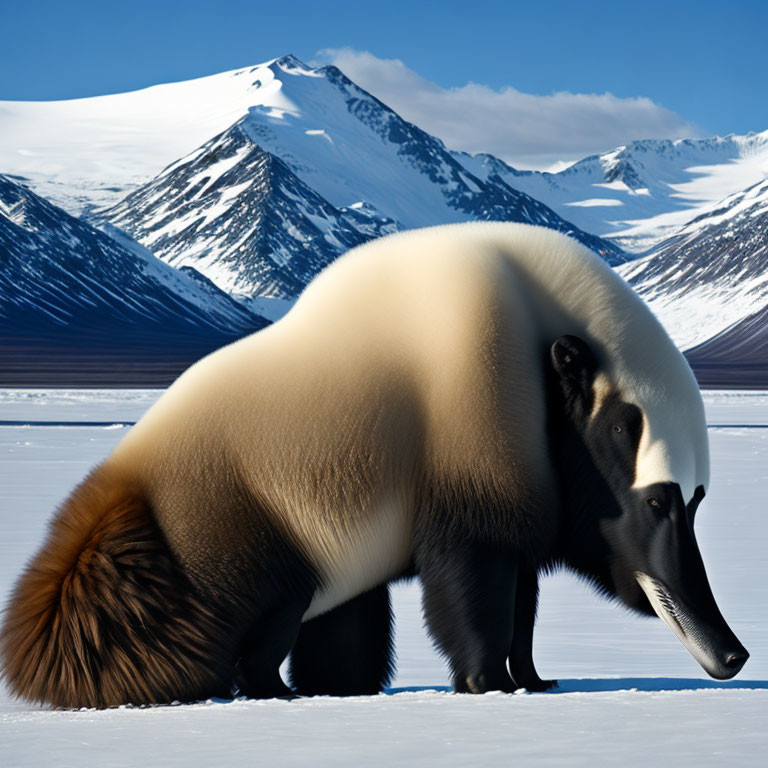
column 714, row 269
column 319, row 167
column 79, row 155
column 641, row 193
column 305, row 164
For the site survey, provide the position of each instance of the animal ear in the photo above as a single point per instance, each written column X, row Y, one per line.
column 693, row 504
column 574, row 362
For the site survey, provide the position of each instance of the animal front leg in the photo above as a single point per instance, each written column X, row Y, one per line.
column 469, row 600
column 521, row 665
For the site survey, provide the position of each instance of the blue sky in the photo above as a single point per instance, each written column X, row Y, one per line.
column 703, row 61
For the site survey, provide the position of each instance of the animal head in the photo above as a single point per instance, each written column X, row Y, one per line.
column 635, row 470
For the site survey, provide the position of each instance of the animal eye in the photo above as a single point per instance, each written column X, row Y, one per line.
column 653, row 502
column 616, row 428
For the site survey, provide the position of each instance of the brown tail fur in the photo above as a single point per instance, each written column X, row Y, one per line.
column 103, row 615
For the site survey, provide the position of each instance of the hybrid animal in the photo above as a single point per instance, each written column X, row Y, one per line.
column 469, row 404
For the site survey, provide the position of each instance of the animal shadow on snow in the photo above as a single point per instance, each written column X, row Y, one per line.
column 613, row 685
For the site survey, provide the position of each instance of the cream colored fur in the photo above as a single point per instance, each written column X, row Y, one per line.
column 419, row 353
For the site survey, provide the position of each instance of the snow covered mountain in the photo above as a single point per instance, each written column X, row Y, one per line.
column 338, row 139
column 316, row 167
column 242, row 217
column 713, row 273
column 69, row 291
column 91, row 152
column 351, row 148
column 642, row 193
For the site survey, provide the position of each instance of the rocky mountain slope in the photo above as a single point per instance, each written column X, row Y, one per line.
column 713, row 272
column 72, row 297
column 242, row 217
column 317, row 167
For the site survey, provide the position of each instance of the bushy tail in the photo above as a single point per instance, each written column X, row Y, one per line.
column 103, row 615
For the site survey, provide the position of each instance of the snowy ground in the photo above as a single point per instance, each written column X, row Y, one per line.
column 629, row 693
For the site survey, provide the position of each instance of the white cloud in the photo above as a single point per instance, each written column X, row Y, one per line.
column 527, row 130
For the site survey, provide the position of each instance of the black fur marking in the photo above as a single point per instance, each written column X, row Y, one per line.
column 613, row 438
column 594, row 461
column 570, row 403
column 347, row 651
column 576, row 365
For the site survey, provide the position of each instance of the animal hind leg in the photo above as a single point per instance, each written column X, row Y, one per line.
column 277, row 591
column 263, row 649
column 469, row 598
column 347, row 651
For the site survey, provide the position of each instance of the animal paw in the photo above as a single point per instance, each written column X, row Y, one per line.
column 537, row 685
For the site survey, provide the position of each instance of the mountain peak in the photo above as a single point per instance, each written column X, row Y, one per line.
column 290, row 61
